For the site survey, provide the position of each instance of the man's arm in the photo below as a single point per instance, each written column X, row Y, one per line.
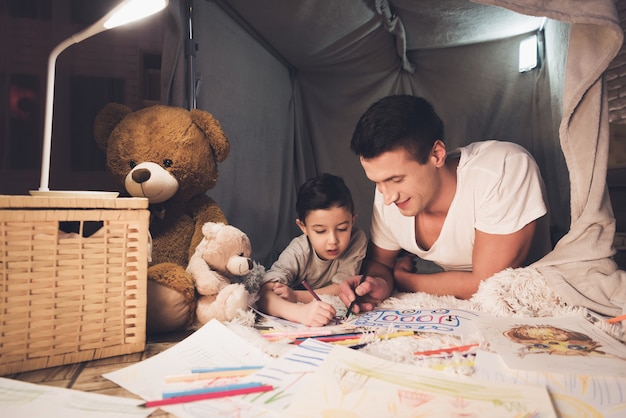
column 492, row 253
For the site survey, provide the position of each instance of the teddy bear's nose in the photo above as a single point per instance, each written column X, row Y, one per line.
column 141, row 175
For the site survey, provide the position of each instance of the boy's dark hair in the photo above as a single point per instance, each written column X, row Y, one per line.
column 399, row 121
column 323, row 192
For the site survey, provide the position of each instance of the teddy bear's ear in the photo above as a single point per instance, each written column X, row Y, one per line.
column 213, row 131
column 106, row 120
column 210, row 229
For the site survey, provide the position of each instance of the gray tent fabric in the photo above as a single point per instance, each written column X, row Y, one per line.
column 579, row 268
column 289, row 79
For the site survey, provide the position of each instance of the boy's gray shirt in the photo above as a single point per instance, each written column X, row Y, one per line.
column 299, row 261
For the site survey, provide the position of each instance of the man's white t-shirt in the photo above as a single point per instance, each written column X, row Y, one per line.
column 499, row 191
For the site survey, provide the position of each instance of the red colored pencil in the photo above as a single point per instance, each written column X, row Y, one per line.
column 204, row 396
column 310, row 289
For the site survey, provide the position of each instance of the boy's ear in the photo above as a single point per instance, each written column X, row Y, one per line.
column 301, row 226
column 354, row 218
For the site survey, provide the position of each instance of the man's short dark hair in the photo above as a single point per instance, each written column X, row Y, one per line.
column 399, row 121
column 324, row 191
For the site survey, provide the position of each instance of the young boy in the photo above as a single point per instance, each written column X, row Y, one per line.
column 329, row 250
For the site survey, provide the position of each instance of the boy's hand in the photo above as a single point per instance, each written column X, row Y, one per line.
column 285, row 292
column 315, row 314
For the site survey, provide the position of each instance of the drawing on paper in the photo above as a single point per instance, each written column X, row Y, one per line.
column 549, row 339
column 445, row 321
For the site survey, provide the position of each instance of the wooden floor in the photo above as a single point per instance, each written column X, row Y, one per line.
column 87, row 376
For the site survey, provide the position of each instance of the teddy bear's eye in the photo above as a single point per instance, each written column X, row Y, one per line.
column 132, row 164
column 168, row 163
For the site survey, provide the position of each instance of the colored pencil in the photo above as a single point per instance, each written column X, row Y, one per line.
column 205, row 396
column 331, row 338
column 349, row 311
column 616, row 319
column 349, row 338
column 199, row 391
column 223, row 369
column 310, row 289
column 445, row 350
column 209, row 375
column 298, row 333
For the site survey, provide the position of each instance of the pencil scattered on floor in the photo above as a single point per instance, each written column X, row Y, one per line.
column 191, row 377
column 616, row 319
column 210, row 395
column 447, row 350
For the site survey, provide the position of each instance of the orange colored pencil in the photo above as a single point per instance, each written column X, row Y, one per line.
column 616, row 319
column 445, row 350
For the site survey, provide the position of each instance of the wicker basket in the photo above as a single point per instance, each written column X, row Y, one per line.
column 71, row 297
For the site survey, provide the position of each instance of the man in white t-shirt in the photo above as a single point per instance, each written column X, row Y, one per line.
column 473, row 212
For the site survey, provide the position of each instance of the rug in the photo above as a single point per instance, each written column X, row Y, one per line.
column 510, row 293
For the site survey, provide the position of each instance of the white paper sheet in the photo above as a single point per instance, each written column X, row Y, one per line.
column 213, row 345
column 354, row 384
column 555, row 344
column 21, row 399
column 573, row 395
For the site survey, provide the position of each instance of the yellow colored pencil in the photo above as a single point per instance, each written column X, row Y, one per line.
column 208, row 375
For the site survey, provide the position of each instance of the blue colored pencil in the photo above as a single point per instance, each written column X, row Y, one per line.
column 204, row 396
column 222, row 369
column 212, row 389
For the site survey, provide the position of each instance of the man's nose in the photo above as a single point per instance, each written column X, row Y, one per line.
column 389, row 196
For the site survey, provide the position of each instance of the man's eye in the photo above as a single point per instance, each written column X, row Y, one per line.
column 320, row 232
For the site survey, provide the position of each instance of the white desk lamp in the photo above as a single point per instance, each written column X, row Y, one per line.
column 126, row 12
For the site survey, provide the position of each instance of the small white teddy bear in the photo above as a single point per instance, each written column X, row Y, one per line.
column 218, row 267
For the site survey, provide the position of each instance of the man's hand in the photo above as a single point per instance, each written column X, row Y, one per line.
column 367, row 293
column 402, row 272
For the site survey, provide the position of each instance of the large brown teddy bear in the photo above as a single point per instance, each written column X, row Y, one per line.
column 170, row 156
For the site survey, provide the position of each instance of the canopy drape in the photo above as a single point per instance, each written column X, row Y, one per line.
column 288, row 81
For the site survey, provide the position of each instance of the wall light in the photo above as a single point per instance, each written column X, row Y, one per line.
column 528, row 54
column 126, row 12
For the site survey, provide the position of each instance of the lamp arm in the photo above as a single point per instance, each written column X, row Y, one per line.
column 147, row 7
column 47, row 127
